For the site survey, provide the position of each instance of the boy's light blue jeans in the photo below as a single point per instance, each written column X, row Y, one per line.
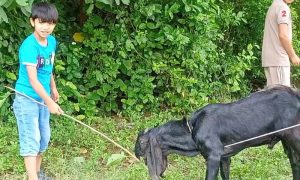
column 33, row 126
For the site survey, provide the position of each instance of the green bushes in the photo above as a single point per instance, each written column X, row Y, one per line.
column 143, row 56
column 12, row 30
column 150, row 56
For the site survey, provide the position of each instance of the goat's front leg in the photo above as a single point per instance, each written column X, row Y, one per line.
column 212, row 165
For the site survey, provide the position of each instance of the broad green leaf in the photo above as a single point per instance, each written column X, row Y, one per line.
column 122, row 54
column 115, row 158
column 101, row 93
column 25, row 11
column 142, row 26
column 80, row 117
column 121, row 84
column 151, row 25
column 96, row 20
column 127, row 64
column 90, row 9
column 78, row 75
column 27, row 8
column 8, row 3
column 3, row 98
column 109, row 2
column 125, row 2
column 187, row 8
column 3, row 15
column 2, row 2
column 106, row 88
column 22, row 2
column 5, row 43
column 129, row 102
column 71, row 85
column 11, row 76
column 59, row 68
column 117, row 2
column 179, row 89
column 129, row 45
column 76, row 107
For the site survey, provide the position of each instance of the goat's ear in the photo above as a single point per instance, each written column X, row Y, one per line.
column 142, row 132
column 155, row 161
column 142, row 137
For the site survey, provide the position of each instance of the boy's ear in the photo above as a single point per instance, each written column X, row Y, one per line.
column 32, row 22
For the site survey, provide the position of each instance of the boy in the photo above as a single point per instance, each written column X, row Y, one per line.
column 36, row 57
column 277, row 49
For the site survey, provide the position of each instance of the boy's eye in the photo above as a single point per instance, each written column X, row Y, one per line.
column 44, row 22
column 41, row 22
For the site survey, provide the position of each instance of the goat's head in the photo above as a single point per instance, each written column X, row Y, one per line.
column 155, row 144
column 148, row 147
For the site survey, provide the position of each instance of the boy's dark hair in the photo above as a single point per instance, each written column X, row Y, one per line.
column 45, row 12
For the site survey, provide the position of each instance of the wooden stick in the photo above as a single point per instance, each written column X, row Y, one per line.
column 94, row 130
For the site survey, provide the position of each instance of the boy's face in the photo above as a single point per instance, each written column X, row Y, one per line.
column 42, row 29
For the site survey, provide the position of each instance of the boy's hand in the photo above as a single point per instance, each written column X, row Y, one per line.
column 54, row 108
column 54, row 95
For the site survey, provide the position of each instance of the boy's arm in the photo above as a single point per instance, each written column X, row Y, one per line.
column 39, row 89
column 287, row 43
column 54, row 92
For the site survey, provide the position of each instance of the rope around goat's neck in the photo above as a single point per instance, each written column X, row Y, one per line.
column 188, row 125
column 94, row 130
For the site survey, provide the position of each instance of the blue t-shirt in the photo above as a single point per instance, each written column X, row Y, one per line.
column 34, row 54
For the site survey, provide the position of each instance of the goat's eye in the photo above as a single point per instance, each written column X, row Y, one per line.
column 143, row 144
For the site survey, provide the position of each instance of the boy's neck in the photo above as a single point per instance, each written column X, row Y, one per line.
column 41, row 40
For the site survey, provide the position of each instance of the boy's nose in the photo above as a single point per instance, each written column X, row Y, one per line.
column 46, row 27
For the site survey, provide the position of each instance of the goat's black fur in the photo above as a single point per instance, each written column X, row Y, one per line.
column 217, row 125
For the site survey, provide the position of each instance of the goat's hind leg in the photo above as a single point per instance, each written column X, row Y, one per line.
column 225, row 168
column 292, row 150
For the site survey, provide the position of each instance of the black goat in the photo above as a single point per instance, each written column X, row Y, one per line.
column 214, row 126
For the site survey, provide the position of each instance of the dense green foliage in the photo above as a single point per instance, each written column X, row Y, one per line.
column 141, row 56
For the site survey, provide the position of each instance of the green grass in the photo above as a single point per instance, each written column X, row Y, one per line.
column 76, row 153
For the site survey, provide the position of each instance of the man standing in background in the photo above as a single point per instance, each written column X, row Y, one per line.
column 277, row 48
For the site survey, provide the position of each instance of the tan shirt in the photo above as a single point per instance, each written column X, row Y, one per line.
column 273, row 53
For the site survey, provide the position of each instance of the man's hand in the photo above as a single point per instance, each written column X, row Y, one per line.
column 295, row 60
